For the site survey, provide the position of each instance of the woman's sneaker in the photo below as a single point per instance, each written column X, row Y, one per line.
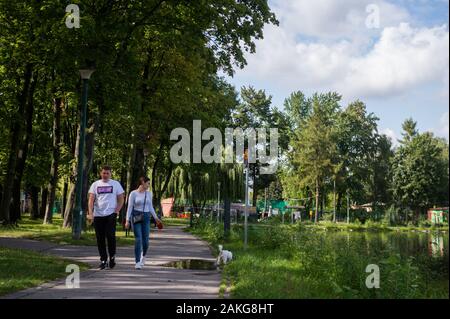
column 138, row 266
column 142, row 260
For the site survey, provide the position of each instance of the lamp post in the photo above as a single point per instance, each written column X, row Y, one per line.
column 77, row 214
column 348, row 206
column 246, row 200
column 218, row 202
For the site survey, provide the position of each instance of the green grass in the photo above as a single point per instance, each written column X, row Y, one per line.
column 175, row 221
column 368, row 226
column 21, row 269
column 35, row 229
column 297, row 262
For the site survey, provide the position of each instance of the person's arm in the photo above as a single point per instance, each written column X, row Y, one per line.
column 120, row 202
column 152, row 210
column 130, row 206
column 91, row 206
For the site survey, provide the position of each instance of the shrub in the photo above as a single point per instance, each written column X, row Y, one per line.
column 328, row 217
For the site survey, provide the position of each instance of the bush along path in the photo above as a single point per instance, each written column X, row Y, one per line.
column 155, row 281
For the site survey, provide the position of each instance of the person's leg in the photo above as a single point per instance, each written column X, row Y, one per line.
column 111, row 234
column 137, row 229
column 145, row 235
column 100, row 233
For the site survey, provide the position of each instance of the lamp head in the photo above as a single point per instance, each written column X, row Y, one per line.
column 86, row 74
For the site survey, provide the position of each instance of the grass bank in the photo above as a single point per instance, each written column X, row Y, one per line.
column 22, row 269
column 298, row 262
column 55, row 233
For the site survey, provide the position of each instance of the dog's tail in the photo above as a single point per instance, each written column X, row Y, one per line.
column 220, row 248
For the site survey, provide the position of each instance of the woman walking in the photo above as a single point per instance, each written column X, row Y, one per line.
column 138, row 217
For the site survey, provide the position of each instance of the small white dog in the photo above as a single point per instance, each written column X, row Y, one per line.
column 225, row 256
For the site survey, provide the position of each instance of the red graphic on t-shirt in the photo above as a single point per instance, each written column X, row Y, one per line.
column 104, row 190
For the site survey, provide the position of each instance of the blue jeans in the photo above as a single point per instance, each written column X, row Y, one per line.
column 142, row 236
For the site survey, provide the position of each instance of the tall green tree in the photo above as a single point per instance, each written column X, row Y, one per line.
column 314, row 148
column 420, row 173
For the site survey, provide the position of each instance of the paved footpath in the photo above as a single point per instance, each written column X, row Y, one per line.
column 124, row 282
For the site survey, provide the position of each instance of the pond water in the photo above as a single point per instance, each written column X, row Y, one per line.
column 414, row 244
column 192, row 264
column 428, row 253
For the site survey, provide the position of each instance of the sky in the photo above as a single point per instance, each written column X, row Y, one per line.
column 391, row 54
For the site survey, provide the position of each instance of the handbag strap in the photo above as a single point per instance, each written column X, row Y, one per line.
column 145, row 200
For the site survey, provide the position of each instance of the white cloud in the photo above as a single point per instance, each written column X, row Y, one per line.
column 391, row 135
column 403, row 58
column 344, row 55
column 331, row 18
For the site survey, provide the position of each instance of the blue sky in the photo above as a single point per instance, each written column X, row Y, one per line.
column 391, row 54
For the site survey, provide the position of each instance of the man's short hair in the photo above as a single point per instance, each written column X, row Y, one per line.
column 106, row 168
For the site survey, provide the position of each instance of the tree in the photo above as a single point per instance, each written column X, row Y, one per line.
column 314, row 148
column 420, row 173
column 410, row 130
column 356, row 137
column 156, row 68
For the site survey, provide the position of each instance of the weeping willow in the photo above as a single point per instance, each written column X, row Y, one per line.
column 200, row 184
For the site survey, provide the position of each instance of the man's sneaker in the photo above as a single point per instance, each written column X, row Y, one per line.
column 138, row 266
column 112, row 263
column 142, row 260
column 103, row 265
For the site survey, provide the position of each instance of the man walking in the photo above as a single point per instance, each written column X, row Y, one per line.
column 106, row 199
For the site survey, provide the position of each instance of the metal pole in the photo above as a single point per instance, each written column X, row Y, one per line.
column 77, row 214
column 246, row 209
column 334, row 201
column 348, row 207
column 218, row 202
column 265, row 202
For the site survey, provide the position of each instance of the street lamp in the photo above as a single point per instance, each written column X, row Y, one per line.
column 218, row 202
column 77, row 214
column 246, row 199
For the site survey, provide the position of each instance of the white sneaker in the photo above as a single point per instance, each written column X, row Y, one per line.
column 143, row 260
column 138, row 266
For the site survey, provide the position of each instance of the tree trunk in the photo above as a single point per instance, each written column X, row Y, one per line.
column 34, row 191
column 44, row 196
column 123, row 181
column 88, row 164
column 130, row 183
column 15, row 208
column 52, row 185
column 15, row 138
column 71, row 197
column 23, row 151
column 69, row 206
column 138, row 167
column 322, row 202
column 339, row 204
column 64, row 198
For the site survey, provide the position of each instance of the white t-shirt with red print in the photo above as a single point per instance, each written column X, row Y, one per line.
column 105, row 193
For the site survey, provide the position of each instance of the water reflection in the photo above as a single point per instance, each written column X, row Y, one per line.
column 436, row 247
